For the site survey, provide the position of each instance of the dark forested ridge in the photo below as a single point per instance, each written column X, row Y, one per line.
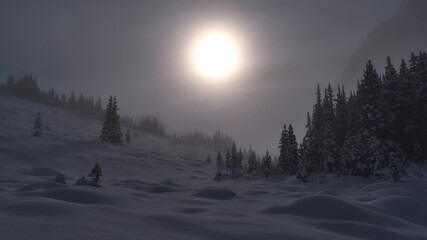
column 375, row 131
column 26, row 87
column 381, row 127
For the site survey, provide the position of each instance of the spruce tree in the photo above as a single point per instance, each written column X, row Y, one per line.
column 240, row 159
column 341, row 117
column 95, row 174
column 228, row 162
column 252, row 162
column 111, row 131
column 375, row 133
column 317, row 132
column 208, row 159
column 127, row 138
column 282, row 150
column 219, row 162
column 266, row 164
column 37, row 127
column 234, row 158
column 329, row 145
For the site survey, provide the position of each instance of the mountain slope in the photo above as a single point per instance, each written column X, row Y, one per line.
column 155, row 189
column 397, row 38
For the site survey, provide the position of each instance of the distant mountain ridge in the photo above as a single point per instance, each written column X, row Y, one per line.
column 404, row 33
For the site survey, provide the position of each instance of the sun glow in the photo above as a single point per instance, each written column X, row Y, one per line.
column 216, row 54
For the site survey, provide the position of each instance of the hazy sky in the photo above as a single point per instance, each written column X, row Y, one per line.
column 137, row 50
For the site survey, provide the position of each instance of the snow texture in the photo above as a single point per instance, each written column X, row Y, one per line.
column 154, row 189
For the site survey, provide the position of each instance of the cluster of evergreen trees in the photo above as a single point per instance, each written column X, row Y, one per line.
column 216, row 142
column 376, row 131
column 380, row 128
column 240, row 162
column 27, row 88
column 148, row 125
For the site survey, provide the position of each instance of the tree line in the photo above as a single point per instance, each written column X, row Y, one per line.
column 27, row 88
column 378, row 130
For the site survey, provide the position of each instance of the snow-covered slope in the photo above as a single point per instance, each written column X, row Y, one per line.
column 154, row 189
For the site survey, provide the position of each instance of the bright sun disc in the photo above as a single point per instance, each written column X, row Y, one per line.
column 215, row 56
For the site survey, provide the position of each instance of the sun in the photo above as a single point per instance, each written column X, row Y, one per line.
column 215, row 56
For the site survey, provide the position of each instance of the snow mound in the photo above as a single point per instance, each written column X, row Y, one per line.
column 83, row 181
column 331, row 208
column 39, row 186
column 40, row 172
column 80, row 195
column 60, row 179
column 214, row 193
column 161, row 189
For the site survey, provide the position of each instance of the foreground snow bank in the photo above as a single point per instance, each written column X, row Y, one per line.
column 154, row 189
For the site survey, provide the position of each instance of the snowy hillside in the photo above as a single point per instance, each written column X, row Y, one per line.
column 155, row 189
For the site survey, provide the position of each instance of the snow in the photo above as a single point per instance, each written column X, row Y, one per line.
column 154, row 189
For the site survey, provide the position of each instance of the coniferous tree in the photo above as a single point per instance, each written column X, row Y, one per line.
column 37, row 128
column 127, row 138
column 266, row 164
column 240, row 159
column 282, row 150
column 95, row 174
column 341, row 117
column 252, row 162
column 111, row 131
column 219, row 162
column 228, row 161
column 329, row 145
column 72, row 104
column 208, row 159
column 234, row 159
column 303, row 160
column 375, row 134
column 317, row 133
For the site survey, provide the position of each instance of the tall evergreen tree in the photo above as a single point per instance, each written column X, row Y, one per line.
column 111, row 131
column 317, row 132
column 127, row 138
column 234, row 158
column 95, row 174
column 341, row 117
column 228, row 161
column 329, row 146
column 266, row 164
column 219, row 162
column 282, row 150
column 37, row 128
column 252, row 162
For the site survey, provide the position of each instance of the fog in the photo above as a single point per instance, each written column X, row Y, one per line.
column 136, row 50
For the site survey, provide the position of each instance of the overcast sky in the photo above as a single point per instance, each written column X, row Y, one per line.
column 137, row 51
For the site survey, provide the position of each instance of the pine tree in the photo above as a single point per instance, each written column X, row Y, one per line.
column 72, row 104
column 252, row 162
column 341, row 117
column 95, row 174
column 127, row 139
column 282, row 150
column 219, row 162
column 37, row 128
column 303, row 160
column 208, row 159
column 266, row 164
column 111, row 131
column 329, row 146
column 228, row 162
column 375, row 133
column 240, row 159
column 317, row 133
column 234, row 158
